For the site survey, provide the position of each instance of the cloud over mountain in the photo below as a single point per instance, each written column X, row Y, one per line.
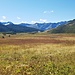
column 4, row 17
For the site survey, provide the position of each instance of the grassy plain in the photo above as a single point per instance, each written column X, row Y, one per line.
column 37, row 54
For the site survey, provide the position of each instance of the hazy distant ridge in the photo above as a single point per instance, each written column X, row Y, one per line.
column 23, row 27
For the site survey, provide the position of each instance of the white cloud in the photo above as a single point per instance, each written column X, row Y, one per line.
column 20, row 22
column 45, row 12
column 33, row 22
column 18, row 18
column 40, row 21
column 43, row 20
column 48, row 12
column 4, row 17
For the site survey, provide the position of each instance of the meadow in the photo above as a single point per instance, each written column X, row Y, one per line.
column 37, row 54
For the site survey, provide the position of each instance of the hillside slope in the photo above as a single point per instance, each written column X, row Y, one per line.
column 67, row 28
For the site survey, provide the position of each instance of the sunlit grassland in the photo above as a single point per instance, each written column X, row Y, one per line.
column 38, row 58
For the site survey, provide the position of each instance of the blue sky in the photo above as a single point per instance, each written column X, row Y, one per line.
column 31, row 11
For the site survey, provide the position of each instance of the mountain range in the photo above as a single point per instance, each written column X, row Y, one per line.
column 43, row 26
column 24, row 27
column 10, row 27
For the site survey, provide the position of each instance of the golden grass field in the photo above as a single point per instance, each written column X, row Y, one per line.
column 37, row 54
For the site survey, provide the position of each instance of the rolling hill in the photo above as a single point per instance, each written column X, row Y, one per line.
column 69, row 27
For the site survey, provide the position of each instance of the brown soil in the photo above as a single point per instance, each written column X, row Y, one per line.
column 31, row 41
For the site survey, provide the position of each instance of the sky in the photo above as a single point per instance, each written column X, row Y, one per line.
column 32, row 11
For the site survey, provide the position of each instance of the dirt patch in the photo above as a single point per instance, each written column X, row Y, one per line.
column 30, row 41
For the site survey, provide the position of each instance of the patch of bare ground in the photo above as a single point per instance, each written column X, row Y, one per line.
column 30, row 41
